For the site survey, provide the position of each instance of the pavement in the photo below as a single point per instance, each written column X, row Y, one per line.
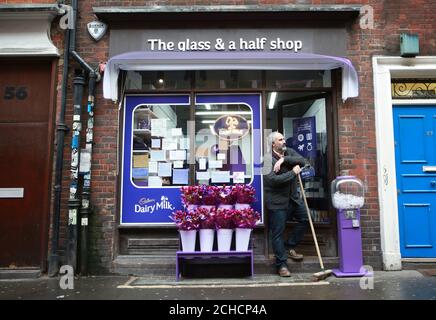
column 382, row 285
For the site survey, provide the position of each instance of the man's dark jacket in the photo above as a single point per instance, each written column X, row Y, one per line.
column 281, row 186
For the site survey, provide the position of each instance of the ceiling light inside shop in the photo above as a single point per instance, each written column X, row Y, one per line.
column 213, row 121
column 272, row 100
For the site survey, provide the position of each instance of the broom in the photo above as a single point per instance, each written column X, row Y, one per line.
column 323, row 274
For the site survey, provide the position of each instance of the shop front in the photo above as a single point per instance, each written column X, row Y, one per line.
column 196, row 107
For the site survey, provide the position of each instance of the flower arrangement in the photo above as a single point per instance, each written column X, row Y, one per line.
column 190, row 195
column 209, row 195
column 226, row 195
column 186, row 220
column 244, row 193
column 206, row 218
column 245, row 218
column 224, row 219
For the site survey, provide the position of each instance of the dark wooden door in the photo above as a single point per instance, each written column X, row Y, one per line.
column 25, row 154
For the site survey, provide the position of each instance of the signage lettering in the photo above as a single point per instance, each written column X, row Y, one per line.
column 242, row 44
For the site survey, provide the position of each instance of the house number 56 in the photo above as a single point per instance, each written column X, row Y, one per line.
column 19, row 93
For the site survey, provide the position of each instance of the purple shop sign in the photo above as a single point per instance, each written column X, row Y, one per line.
column 304, row 138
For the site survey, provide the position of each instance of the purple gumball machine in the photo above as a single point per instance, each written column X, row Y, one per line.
column 348, row 197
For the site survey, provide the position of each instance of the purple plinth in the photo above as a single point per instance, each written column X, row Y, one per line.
column 350, row 247
column 180, row 255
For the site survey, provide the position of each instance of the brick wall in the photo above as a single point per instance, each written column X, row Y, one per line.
column 357, row 147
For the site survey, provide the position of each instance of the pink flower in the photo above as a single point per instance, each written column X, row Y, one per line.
column 246, row 218
column 206, row 218
column 209, row 195
column 224, row 219
column 190, row 195
column 185, row 220
column 226, row 195
column 244, row 193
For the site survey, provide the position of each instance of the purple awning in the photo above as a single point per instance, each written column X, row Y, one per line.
column 165, row 61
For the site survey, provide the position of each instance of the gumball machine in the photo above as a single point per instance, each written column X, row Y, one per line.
column 347, row 194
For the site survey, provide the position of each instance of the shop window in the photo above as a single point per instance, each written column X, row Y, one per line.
column 223, row 144
column 157, row 80
column 288, row 79
column 301, row 118
column 160, row 145
column 228, row 79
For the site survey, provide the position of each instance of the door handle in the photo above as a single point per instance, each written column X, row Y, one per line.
column 433, row 183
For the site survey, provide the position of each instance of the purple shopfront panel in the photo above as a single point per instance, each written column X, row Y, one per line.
column 146, row 205
column 157, row 204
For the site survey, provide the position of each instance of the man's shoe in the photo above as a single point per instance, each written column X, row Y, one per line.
column 295, row 256
column 284, row 272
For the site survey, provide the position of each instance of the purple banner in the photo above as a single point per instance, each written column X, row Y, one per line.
column 304, row 138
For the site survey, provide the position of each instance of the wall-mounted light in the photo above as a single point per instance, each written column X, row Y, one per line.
column 272, row 100
column 409, row 45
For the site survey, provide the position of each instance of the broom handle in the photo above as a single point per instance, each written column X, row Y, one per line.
column 310, row 222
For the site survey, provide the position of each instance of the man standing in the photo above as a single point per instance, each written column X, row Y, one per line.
column 283, row 200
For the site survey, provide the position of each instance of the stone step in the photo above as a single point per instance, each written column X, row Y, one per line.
column 139, row 265
column 20, row 273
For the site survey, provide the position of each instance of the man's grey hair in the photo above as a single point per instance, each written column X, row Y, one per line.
column 271, row 138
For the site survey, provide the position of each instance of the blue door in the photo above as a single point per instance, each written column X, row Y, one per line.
column 415, row 159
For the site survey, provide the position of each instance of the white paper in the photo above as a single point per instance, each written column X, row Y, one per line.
column 85, row 161
column 178, row 155
column 238, row 177
column 181, row 176
column 220, row 176
column 169, row 144
column 176, row 132
column 152, row 167
column 158, row 132
column 164, row 169
column 155, row 143
column 154, row 181
column 221, row 156
column 218, row 164
column 158, row 123
column 184, row 143
column 203, row 175
column 202, row 163
column 158, row 155
column 178, row 164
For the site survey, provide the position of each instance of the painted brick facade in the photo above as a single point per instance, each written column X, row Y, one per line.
column 356, row 128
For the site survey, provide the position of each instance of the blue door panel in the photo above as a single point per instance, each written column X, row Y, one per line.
column 415, row 147
column 411, row 129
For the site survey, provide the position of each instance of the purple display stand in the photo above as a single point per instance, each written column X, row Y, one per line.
column 181, row 255
column 350, row 245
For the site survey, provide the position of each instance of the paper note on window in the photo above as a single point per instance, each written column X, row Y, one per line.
column 152, row 166
column 178, row 155
column 169, row 144
column 158, row 155
column 176, row 132
column 202, row 163
column 178, row 164
column 184, row 143
column 155, row 143
column 154, row 181
column 158, row 123
column 164, row 169
column 180, row 176
column 215, row 164
column 238, row 177
column 221, row 156
column 220, row 176
column 139, row 173
column 140, row 160
column 203, row 175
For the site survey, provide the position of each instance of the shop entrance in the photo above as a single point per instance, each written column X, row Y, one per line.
column 25, row 153
column 304, row 120
column 415, row 156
